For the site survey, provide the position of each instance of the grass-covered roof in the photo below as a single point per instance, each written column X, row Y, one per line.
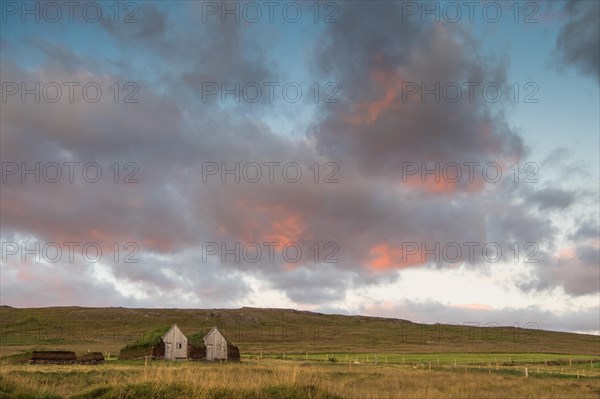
column 150, row 338
column 196, row 338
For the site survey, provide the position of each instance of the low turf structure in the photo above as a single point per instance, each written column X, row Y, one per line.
column 196, row 347
column 91, row 358
column 53, row 357
column 65, row 357
column 149, row 345
column 233, row 353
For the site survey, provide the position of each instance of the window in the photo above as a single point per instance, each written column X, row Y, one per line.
column 179, row 346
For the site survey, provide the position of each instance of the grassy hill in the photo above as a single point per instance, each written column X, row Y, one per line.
column 273, row 331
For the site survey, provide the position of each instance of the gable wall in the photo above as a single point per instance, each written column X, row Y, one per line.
column 175, row 344
column 216, row 346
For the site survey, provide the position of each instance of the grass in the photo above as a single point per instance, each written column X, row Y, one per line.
column 272, row 378
column 196, row 338
column 293, row 354
column 273, row 331
column 150, row 338
column 442, row 358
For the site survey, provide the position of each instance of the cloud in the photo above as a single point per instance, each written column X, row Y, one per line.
column 144, row 23
column 573, row 268
column 578, row 42
column 586, row 229
column 378, row 123
column 583, row 319
column 370, row 213
column 178, row 280
column 549, row 198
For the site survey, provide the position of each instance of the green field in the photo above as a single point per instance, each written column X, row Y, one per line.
column 276, row 331
column 443, row 358
column 293, row 354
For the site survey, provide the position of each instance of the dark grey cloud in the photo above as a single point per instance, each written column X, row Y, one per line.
column 145, row 21
column 589, row 254
column 373, row 55
column 588, row 228
column 575, row 269
column 550, row 198
column 578, row 42
column 313, row 285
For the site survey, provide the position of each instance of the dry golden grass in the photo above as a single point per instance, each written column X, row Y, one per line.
column 291, row 379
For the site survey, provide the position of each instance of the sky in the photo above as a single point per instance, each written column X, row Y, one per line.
column 436, row 161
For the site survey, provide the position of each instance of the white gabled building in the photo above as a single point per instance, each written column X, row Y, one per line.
column 216, row 345
column 176, row 344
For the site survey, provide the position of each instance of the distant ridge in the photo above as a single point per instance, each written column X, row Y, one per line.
column 275, row 330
